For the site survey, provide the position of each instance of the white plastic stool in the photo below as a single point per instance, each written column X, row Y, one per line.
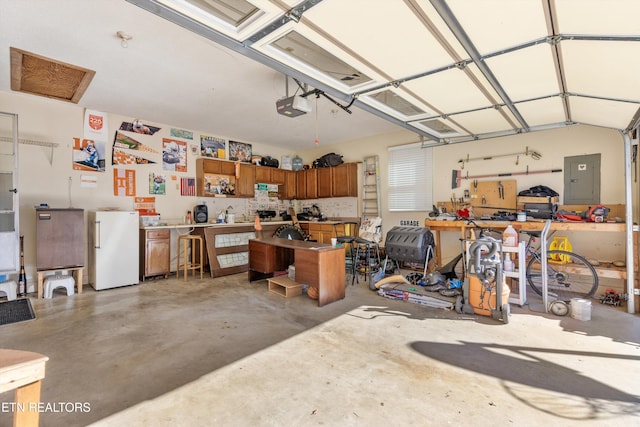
column 9, row 289
column 58, row 281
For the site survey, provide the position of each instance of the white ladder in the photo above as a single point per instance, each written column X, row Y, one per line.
column 371, row 187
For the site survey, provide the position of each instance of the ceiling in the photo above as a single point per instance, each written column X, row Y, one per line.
column 448, row 71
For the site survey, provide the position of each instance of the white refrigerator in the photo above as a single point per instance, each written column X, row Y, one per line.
column 113, row 249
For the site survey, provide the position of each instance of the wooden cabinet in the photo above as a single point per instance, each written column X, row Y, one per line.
column 245, row 182
column 223, row 167
column 344, row 180
column 155, row 253
column 288, row 190
column 335, row 181
column 325, row 182
column 318, row 231
column 267, row 175
column 307, row 184
column 263, row 175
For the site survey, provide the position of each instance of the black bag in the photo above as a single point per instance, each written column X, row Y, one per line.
column 269, row 161
column 539, row 191
column 330, row 159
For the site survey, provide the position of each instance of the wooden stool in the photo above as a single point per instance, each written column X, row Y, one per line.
column 190, row 264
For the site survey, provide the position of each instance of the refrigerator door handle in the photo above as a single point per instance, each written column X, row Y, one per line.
column 97, row 235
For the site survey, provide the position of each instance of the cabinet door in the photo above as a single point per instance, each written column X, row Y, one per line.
column 301, row 185
column 246, row 181
column 263, row 174
column 288, row 191
column 311, row 183
column 157, row 259
column 278, row 176
column 324, row 182
column 226, row 168
column 344, row 180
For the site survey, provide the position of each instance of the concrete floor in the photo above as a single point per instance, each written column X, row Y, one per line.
column 228, row 353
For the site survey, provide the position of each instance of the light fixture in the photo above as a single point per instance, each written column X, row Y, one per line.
column 124, row 38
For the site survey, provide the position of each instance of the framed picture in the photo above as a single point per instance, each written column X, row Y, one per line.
column 217, row 185
column 210, row 146
column 239, row 151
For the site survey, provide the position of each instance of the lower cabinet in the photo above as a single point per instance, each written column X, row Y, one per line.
column 321, row 233
column 155, row 253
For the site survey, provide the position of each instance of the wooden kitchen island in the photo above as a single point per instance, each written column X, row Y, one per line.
column 317, row 265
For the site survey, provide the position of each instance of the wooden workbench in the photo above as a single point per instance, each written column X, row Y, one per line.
column 463, row 228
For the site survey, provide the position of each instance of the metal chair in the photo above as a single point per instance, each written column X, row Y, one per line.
column 345, row 235
column 367, row 246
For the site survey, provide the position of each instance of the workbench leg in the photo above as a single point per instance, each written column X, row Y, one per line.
column 26, row 410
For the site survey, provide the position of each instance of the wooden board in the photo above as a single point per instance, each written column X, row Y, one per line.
column 489, row 189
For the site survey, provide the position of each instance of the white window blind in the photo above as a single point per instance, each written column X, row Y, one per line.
column 410, row 178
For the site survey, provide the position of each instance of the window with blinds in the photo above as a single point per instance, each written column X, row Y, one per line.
column 410, row 178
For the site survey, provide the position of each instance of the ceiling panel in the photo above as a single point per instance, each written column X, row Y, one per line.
column 601, row 112
column 483, row 121
column 598, row 17
column 526, row 73
column 449, row 91
column 602, row 68
column 494, row 25
column 542, row 111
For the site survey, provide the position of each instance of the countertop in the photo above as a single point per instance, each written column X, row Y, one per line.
column 248, row 224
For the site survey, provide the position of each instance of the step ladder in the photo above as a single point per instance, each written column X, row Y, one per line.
column 371, row 188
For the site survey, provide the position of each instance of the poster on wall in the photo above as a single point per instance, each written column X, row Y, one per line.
column 157, row 183
column 219, row 185
column 125, row 157
column 123, row 141
column 88, row 155
column 239, row 151
column 211, row 146
column 124, row 182
column 181, row 133
column 95, row 125
column 187, row 186
column 174, row 155
column 137, row 126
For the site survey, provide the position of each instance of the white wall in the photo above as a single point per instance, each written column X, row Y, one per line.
column 46, row 176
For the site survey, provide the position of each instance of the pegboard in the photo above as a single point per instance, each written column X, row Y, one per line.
column 492, row 199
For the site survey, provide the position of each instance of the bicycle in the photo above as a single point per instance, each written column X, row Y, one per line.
column 569, row 275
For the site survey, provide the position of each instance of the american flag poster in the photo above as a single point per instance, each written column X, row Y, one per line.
column 187, row 186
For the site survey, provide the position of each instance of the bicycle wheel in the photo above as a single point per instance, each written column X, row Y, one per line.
column 568, row 276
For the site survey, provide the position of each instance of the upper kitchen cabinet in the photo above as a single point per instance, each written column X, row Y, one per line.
column 267, row 175
column 325, row 182
column 307, row 184
column 288, row 190
column 338, row 181
column 245, row 182
column 220, row 177
column 344, row 180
